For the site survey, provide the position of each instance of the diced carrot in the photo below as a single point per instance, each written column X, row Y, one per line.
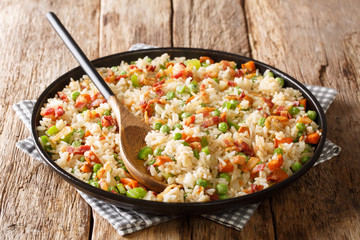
column 312, row 138
column 238, row 159
column 244, row 129
column 277, row 162
column 203, row 59
column 303, row 102
column 189, row 99
column 250, row 164
column 160, row 160
column 223, row 117
column 91, row 157
column 227, row 167
column 277, row 175
column 86, row 168
column 88, row 133
column 100, row 173
column 129, row 182
column 283, row 140
column 305, row 120
column 249, row 67
column 189, row 139
column 103, row 185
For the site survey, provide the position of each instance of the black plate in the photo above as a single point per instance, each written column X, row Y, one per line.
column 175, row 208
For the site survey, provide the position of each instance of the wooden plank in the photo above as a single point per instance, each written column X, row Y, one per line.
column 218, row 25
column 35, row 202
column 123, row 24
column 318, row 43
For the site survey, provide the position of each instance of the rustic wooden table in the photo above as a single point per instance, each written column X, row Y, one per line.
column 317, row 42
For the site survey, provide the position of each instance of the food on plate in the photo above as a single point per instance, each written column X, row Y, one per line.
column 220, row 130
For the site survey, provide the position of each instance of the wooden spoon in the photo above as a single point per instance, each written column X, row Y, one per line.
column 132, row 130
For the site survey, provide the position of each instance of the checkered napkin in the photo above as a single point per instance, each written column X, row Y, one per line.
column 127, row 221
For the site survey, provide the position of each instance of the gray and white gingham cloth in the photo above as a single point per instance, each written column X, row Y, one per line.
column 127, row 221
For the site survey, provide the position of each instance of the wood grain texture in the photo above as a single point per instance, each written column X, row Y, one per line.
column 318, row 43
column 218, row 25
column 125, row 23
column 35, row 202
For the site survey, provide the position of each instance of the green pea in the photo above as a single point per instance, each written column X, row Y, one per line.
column 178, row 125
column 113, row 190
column 186, row 144
column 196, row 153
column 107, row 112
column 94, row 183
column 135, row 81
column 280, row 81
column 149, row 60
column 114, row 69
column 226, row 176
column 177, row 136
column 304, row 159
column 170, row 95
column 203, row 105
column 296, row 167
column 162, row 66
column 298, row 135
column 96, row 167
column 167, row 175
column 45, row 142
column 300, row 105
column 117, row 178
column 185, row 115
column 99, row 123
column 133, row 62
column 75, row 95
column 232, row 124
column 151, row 162
column 144, row 152
column 52, row 130
column 269, row 74
column 138, row 192
column 80, row 133
column 232, row 104
column 223, row 196
column 204, row 142
column 181, row 89
column 193, row 88
column 215, row 113
column 311, row 114
column 206, row 150
column 306, row 150
column 223, row 127
column 121, row 188
column 115, row 156
column 158, row 152
column 201, row 182
column 76, row 144
column 300, row 126
column 262, row 121
column 279, row 151
column 82, row 159
column 165, row 129
column 157, row 125
column 293, row 110
column 221, row 188
column 193, row 62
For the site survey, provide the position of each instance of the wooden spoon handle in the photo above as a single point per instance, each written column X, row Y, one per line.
column 80, row 56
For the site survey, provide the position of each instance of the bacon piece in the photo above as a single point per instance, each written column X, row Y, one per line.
column 189, row 120
column 82, row 101
column 232, row 83
column 245, row 148
column 190, row 139
column 223, row 117
column 268, row 102
column 159, row 92
column 239, row 159
column 236, row 97
column 243, row 129
column 150, row 68
column 210, row 121
column 196, row 145
column 108, row 121
column 48, row 112
column 63, row 96
column 78, row 150
column 205, row 111
column 204, row 95
column 160, row 83
column 91, row 157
